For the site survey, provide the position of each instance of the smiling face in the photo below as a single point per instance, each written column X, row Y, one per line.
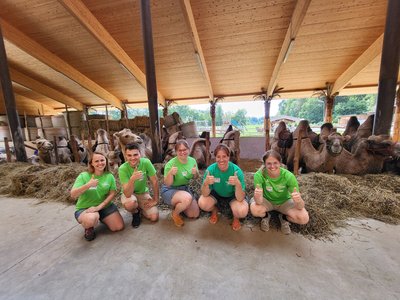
column 272, row 165
column 98, row 163
column 133, row 157
column 222, row 159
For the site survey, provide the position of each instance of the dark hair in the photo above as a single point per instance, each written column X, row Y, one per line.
column 272, row 153
column 132, row 146
column 90, row 167
column 222, row 147
column 181, row 142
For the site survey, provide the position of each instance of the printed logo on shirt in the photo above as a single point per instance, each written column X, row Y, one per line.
column 268, row 188
column 217, row 179
column 184, row 173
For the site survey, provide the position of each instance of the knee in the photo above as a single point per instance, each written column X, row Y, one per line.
column 304, row 219
column 205, row 203
column 153, row 217
column 240, row 210
column 117, row 227
column 90, row 219
column 130, row 205
column 257, row 210
column 186, row 201
column 193, row 211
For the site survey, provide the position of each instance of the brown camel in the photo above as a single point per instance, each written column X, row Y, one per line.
column 368, row 157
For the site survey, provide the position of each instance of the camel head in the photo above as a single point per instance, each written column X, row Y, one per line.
column 101, row 136
column 334, row 142
column 43, row 144
column 126, row 136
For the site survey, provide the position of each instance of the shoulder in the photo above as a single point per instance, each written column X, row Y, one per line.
column 287, row 174
column 124, row 166
column 235, row 167
column 191, row 159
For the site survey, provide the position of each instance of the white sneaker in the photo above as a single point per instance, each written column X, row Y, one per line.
column 285, row 225
column 264, row 224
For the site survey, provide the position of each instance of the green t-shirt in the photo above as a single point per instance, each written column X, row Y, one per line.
column 276, row 190
column 125, row 172
column 221, row 185
column 94, row 196
column 184, row 173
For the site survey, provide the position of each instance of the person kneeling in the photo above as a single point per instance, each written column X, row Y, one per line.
column 135, row 196
column 277, row 189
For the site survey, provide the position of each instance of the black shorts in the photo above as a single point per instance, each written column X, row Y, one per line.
column 112, row 208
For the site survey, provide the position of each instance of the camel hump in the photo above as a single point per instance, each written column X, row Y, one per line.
column 197, row 142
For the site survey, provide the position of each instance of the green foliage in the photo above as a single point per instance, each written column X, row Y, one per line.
column 312, row 109
column 188, row 114
column 240, row 117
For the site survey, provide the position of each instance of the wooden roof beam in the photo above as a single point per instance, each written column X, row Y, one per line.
column 34, row 49
column 297, row 19
column 89, row 21
column 358, row 65
column 43, row 89
column 188, row 14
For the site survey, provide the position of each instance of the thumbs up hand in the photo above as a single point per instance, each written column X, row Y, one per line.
column 258, row 194
column 209, row 179
column 194, row 170
column 173, row 170
column 296, row 196
column 136, row 175
column 93, row 182
column 233, row 180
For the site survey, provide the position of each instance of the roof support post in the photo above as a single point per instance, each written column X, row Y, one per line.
column 396, row 126
column 9, row 101
column 267, row 122
column 389, row 70
column 329, row 101
column 151, row 83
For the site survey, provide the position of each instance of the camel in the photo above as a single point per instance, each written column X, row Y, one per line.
column 368, row 157
column 126, row 136
column 170, row 152
column 282, row 140
column 231, row 139
column 199, row 152
column 81, row 148
column 45, row 150
column 352, row 126
column 322, row 160
column 363, row 131
column 102, row 143
column 63, row 151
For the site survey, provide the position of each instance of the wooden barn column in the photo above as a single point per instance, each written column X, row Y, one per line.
column 396, row 126
column 213, row 105
column 389, row 70
column 151, row 79
column 9, row 101
column 329, row 101
column 267, row 122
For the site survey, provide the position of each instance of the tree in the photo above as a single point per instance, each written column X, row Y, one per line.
column 312, row 110
column 219, row 115
column 240, row 116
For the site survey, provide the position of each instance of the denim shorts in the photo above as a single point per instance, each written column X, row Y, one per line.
column 112, row 208
column 168, row 192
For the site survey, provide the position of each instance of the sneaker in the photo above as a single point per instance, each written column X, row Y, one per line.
column 264, row 225
column 136, row 219
column 90, row 234
column 178, row 221
column 285, row 225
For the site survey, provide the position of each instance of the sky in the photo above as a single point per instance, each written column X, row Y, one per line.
column 254, row 108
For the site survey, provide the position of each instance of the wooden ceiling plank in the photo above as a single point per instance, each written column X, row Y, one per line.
column 16, row 37
column 43, row 89
column 297, row 18
column 89, row 21
column 188, row 14
column 25, row 99
column 358, row 65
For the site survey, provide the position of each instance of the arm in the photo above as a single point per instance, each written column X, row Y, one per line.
column 128, row 188
column 205, row 188
column 298, row 201
column 169, row 178
column 103, row 204
column 237, row 183
column 156, row 192
column 76, row 192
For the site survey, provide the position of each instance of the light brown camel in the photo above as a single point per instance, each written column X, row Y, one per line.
column 170, row 152
column 368, row 157
column 199, row 152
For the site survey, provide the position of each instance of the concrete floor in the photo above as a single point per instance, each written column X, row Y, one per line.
column 43, row 256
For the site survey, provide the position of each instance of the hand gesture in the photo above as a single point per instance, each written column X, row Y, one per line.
column 258, row 194
column 209, row 179
column 93, row 182
column 136, row 175
column 233, row 180
column 150, row 203
column 173, row 170
column 296, row 196
column 194, row 170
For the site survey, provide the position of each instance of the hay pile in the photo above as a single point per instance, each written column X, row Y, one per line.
column 330, row 199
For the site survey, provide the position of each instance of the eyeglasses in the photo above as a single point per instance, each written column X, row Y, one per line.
column 182, row 150
column 275, row 164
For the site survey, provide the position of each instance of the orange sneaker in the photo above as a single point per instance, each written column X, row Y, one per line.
column 178, row 221
column 236, row 224
column 213, row 218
